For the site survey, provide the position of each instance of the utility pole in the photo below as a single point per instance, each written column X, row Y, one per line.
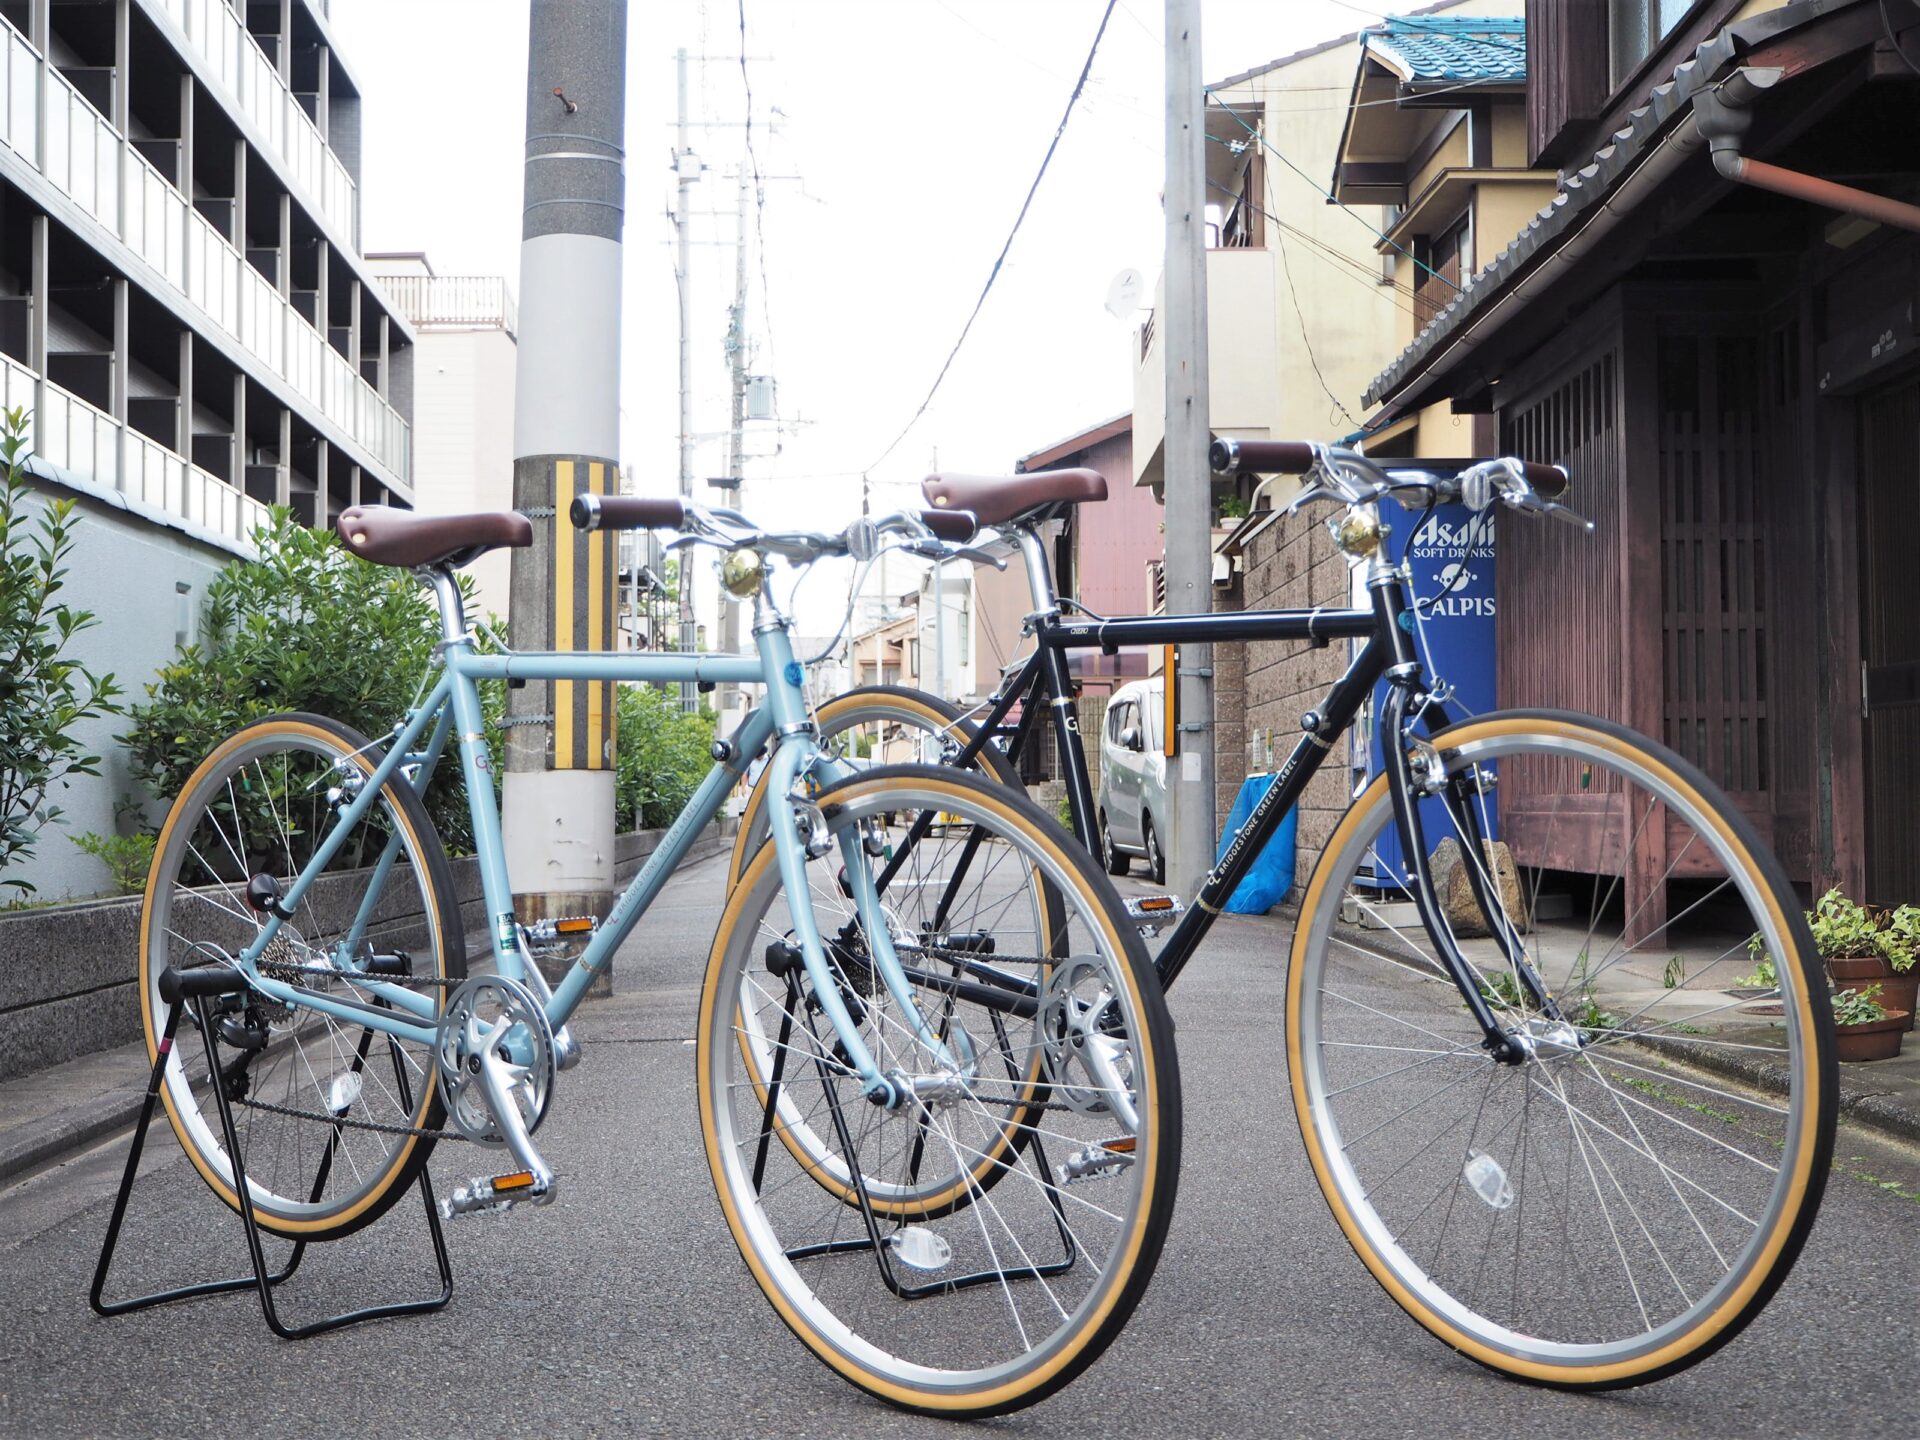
column 1189, row 507
column 559, row 783
column 736, row 446
column 686, row 167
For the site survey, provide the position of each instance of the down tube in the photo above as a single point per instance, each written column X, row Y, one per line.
column 1337, row 712
column 642, row 890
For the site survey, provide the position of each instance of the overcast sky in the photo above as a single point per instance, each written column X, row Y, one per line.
column 914, row 128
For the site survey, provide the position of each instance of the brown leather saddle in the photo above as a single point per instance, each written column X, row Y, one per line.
column 406, row 538
column 1010, row 499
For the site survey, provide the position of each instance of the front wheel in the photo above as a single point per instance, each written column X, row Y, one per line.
column 970, row 1252
column 1627, row 1196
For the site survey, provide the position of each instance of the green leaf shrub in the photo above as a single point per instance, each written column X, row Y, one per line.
column 1858, row 1007
column 128, row 858
column 306, row 626
column 44, row 693
column 660, row 756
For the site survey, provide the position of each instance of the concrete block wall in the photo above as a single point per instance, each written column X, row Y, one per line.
column 1229, row 709
column 1293, row 565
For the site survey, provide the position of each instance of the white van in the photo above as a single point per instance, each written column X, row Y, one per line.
column 1134, row 813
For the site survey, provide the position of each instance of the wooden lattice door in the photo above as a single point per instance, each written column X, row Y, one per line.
column 1890, row 640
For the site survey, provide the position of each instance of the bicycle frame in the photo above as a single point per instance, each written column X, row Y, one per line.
column 453, row 705
column 1389, row 653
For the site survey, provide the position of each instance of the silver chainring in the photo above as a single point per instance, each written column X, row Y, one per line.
column 493, row 1010
column 1078, row 1002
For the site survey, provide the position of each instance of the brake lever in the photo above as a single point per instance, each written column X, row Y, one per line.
column 980, row 557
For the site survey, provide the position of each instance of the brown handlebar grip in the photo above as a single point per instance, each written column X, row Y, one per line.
column 627, row 512
column 1549, row 482
column 1260, row 457
column 956, row 527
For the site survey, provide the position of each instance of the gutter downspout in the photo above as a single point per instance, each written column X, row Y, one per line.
column 1724, row 116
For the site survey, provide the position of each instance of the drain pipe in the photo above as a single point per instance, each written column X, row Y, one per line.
column 1725, row 115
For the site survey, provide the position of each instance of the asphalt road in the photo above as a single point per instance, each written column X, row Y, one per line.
column 624, row 1308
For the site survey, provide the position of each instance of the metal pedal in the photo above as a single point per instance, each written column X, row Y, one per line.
column 1108, row 1157
column 1153, row 913
column 496, row 1195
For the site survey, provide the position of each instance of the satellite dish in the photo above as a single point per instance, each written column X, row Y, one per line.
column 1123, row 295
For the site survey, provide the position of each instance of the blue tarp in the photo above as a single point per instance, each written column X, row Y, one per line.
column 1267, row 883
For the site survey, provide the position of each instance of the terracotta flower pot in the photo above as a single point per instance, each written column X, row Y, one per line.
column 1897, row 991
column 1875, row 1040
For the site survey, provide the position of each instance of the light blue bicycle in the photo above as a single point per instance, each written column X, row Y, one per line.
column 943, row 1120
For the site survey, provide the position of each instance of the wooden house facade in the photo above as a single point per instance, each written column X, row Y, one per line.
column 1732, row 375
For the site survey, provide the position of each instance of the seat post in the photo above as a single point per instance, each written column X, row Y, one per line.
column 446, row 594
column 1039, row 573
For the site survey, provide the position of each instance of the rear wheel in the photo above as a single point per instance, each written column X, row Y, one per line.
column 307, row 1083
column 878, row 725
column 1156, row 862
column 971, row 1251
column 1624, row 1199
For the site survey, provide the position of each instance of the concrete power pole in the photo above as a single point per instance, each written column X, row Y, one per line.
column 559, row 782
column 1188, row 495
column 686, row 167
column 736, row 446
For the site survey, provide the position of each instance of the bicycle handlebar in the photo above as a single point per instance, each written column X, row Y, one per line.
column 928, row 532
column 627, row 512
column 1342, row 474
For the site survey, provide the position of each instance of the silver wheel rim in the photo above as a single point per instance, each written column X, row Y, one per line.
column 735, row 1105
column 1648, row 1068
column 303, row 1063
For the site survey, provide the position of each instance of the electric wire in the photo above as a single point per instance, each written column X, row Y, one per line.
column 1271, row 149
column 759, row 208
column 1306, row 341
column 1358, row 271
column 994, row 274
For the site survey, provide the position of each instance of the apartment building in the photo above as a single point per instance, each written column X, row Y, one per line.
column 465, row 362
column 183, row 302
column 185, row 311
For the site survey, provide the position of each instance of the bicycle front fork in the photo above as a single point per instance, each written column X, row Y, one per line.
column 1414, row 771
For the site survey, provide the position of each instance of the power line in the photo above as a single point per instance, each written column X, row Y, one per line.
column 759, row 207
column 1273, row 150
column 999, row 260
column 1358, row 271
column 1306, row 341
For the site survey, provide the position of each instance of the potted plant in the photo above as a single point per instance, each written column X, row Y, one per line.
column 1898, row 943
column 1860, row 949
column 1863, row 1028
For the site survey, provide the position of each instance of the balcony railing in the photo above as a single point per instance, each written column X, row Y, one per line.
column 253, row 81
column 459, row 302
column 91, row 445
column 83, row 157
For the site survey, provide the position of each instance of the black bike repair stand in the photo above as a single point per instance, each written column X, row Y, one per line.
column 197, row 988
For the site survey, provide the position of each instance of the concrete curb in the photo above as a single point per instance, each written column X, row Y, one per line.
column 118, row 1080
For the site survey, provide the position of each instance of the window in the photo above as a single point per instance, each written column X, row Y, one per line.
column 1635, row 29
column 1442, row 261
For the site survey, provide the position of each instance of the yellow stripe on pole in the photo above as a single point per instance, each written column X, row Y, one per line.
column 563, row 543
column 596, row 627
column 1170, row 677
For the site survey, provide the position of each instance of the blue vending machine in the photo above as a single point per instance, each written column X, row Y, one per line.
column 1453, row 552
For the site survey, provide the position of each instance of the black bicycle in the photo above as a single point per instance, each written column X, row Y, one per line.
column 1557, row 1037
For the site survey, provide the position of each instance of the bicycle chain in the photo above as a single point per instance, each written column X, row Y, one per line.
column 290, row 970
column 380, row 1126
